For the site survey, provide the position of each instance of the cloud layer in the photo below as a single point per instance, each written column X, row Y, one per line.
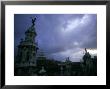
column 60, row 35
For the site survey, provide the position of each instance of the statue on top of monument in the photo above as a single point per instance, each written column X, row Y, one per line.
column 85, row 50
column 33, row 21
column 86, row 56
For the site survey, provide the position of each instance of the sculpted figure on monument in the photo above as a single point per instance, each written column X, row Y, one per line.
column 33, row 21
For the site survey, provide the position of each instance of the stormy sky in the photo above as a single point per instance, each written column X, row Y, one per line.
column 60, row 35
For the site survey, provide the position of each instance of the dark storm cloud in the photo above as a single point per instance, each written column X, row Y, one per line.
column 61, row 35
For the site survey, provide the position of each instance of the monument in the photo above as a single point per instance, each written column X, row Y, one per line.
column 27, row 50
column 87, row 65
